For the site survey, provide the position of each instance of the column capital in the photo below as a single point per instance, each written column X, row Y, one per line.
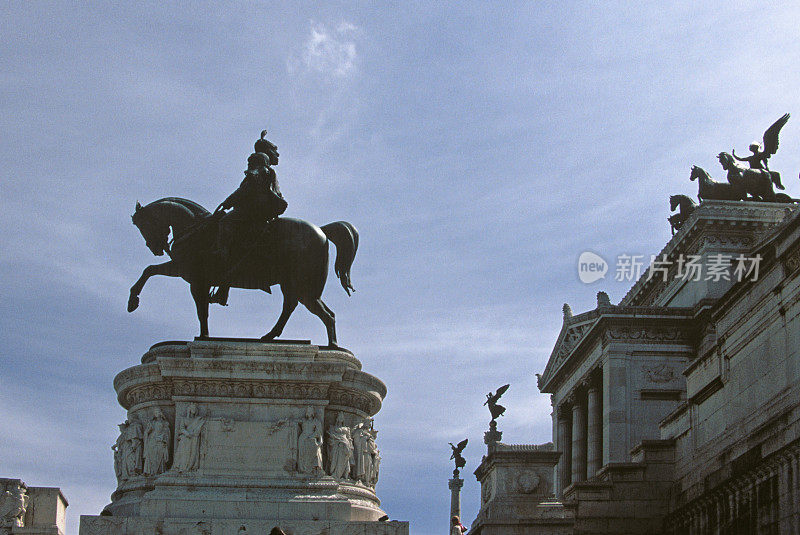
column 590, row 383
column 562, row 415
column 594, row 381
column 455, row 483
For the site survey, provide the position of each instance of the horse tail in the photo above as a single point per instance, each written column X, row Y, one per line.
column 345, row 237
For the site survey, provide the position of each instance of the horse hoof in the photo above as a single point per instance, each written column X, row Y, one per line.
column 133, row 303
column 268, row 337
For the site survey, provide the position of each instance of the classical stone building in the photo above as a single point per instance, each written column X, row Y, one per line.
column 678, row 409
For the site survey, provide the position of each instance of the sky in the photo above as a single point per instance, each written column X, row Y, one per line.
column 478, row 147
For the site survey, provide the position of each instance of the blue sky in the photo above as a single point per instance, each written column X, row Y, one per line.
column 479, row 148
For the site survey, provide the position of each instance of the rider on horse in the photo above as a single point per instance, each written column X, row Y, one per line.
column 762, row 152
column 758, row 160
column 256, row 202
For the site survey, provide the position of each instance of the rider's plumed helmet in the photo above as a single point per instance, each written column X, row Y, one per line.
column 266, row 147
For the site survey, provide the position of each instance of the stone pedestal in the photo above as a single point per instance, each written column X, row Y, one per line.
column 236, row 436
column 31, row 510
column 517, row 492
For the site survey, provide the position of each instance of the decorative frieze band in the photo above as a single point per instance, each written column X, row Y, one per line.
column 644, row 334
column 368, row 403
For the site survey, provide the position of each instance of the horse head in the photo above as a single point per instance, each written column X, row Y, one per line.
column 154, row 231
column 726, row 160
column 674, row 200
column 699, row 173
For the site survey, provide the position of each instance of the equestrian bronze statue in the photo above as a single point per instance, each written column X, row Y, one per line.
column 249, row 247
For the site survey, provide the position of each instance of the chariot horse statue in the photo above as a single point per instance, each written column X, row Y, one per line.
column 292, row 254
column 709, row 189
column 685, row 207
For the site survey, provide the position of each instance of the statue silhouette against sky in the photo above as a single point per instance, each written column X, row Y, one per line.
column 250, row 247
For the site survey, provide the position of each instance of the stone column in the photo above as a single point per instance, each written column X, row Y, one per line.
column 578, row 440
column 731, row 508
column 616, row 447
column 455, row 497
column 794, row 489
column 554, row 418
column 594, row 432
column 564, row 445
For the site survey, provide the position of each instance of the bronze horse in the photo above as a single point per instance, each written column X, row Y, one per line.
column 290, row 252
column 756, row 182
column 686, row 205
column 709, row 189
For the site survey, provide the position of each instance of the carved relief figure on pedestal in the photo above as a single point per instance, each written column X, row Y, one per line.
column 13, row 504
column 291, row 446
column 374, row 458
column 366, row 455
column 340, row 449
column 360, row 453
column 157, row 438
column 187, row 450
column 133, row 447
column 120, row 466
column 309, row 444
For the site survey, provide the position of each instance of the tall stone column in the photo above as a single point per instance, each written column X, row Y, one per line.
column 455, row 497
column 578, row 440
column 554, row 418
column 564, row 445
column 594, row 432
column 616, row 447
column 795, row 491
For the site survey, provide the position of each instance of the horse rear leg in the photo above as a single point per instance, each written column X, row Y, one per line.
column 200, row 295
column 321, row 310
column 328, row 310
column 289, row 304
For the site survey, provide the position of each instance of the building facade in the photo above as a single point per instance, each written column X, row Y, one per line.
column 678, row 409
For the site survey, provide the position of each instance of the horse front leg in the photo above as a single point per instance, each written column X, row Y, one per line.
column 200, row 295
column 167, row 268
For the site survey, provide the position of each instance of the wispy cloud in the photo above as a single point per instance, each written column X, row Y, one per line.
column 331, row 52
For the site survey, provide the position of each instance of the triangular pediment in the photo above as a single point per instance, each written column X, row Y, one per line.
column 572, row 332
